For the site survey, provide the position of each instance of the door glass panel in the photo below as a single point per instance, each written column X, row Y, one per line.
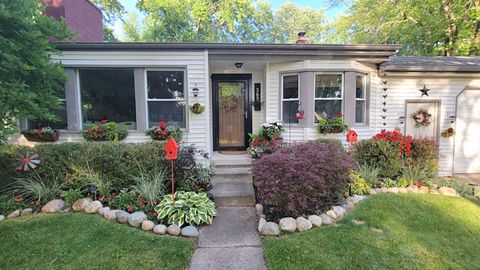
column 231, row 114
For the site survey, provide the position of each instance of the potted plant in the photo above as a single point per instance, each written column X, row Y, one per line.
column 197, row 108
column 104, row 131
column 44, row 134
column 448, row 133
column 332, row 125
column 163, row 132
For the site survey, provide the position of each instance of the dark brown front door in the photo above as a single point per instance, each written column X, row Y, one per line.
column 231, row 111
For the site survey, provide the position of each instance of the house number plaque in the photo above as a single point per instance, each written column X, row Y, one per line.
column 257, row 102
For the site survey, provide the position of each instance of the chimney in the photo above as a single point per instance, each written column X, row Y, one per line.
column 301, row 38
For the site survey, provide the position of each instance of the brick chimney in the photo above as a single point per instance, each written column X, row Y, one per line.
column 301, row 38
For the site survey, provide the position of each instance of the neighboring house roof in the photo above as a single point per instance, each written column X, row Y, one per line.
column 373, row 53
column 433, row 63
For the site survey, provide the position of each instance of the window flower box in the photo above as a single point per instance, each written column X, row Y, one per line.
column 45, row 134
column 163, row 132
column 333, row 125
column 104, row 131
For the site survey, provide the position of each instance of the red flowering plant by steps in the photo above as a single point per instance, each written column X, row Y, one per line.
column 267, row 140
column 162, row 132
column 402, row 143
column 104, row 131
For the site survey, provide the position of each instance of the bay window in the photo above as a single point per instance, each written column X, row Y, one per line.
column 290, row 98
column 108, row 94
column 166, row 97
column 328, row 95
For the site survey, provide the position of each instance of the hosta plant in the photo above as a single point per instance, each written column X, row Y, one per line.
column 189, row 207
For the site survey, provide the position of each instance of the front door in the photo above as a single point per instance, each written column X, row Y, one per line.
column 417, row 125
column 231, row 111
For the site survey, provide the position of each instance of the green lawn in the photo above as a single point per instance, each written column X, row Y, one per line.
column 80, row 241
column 416, row 232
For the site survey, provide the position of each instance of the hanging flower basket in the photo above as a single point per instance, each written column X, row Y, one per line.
column 422, row 118
column 45, row 134
column 197, row 108
column 448, row 133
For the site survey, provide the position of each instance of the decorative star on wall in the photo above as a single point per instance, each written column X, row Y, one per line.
column 424, row 91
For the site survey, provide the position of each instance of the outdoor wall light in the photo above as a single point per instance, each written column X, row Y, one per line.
column 402, row 120
column 195, row 91
column 238, row 65
column 452, row 118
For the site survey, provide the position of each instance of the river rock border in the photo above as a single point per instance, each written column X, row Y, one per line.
column 137, row 219
column 301, row 224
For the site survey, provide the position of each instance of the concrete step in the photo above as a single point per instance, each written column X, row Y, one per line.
column 233, row 194
column 233, row 174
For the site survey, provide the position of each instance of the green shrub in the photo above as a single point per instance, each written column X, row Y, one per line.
column 8, row 204
column 72, row 195
column 402, row 183
column 389, row 183
column 35, row 188
column 150, row 188
column 369, row 173
column 462, row 188
column 359, row 186
column 77, row 163
column 414, row 173
column 379, row 154
column 425, row 155
column 189, row 207
column 125, row 200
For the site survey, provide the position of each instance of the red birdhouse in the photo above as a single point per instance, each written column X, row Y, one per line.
column 171, row 149
column 352, row 136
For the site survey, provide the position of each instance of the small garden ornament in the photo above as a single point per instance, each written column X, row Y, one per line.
column 171, row 151
column 28, row 162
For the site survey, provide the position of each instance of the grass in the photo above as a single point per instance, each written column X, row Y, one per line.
column 401, row 231
column 80, row 241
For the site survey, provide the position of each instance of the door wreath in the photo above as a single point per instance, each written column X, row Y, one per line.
column 422, row 118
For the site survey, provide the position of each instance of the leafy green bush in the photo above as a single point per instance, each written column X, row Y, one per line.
column 379, row 154
column 389, row 183
column 359, row 186
column 125, row 200
column 77, row 163
column 72, row 195
column 34, row 188
column 425, row 155
column 414, row 173
column 150, row 188
column 369, row 173
column 8, row 204
column 189, row 207
column 462, row 188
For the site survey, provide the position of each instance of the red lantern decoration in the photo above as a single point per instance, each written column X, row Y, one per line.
column 171, row 151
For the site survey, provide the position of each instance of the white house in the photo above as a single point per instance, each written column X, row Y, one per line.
column 140, row 84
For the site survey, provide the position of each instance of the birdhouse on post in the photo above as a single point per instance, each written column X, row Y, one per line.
column 171, row 151
column 352, row 136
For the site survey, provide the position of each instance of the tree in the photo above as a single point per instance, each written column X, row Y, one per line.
column 29, row 82
column 132, row 27
column 429, row 27
column 112, row 10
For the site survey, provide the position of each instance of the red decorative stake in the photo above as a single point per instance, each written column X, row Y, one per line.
column 171, row 151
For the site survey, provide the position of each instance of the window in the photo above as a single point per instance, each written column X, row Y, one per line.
column 166, row 97
column 60, row 112
column 328, row 95
column 290, row 98
column 108, row 94
column 360, row 99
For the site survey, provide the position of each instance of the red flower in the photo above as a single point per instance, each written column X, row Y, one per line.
column 155, row 214
column 18, row 198
column 103, row 121
column 38, row 132
column 89, row 130
column 129, row 209
column 339, row 115
column 100, row 198
column 162, row 124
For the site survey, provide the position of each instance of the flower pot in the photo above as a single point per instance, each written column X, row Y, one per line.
column 45, row 137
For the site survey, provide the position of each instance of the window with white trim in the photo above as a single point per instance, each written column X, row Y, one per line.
column 360, row 99
column 166, row 97
column 328, row 95
column 290, row 98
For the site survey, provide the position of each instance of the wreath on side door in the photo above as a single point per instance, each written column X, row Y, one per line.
column 422, row 118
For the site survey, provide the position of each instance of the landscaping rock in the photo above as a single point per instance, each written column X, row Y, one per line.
column 434, row 191
column 122, row 217
column 160, row 229
column 346, row 206
column 261, row 222
column 303, row 224
column 315, row 220
column 189, row 231
column 262, row 216
column 67, row 209
column 147, row 225
column 27, row 211
column 271, row 229
column 173, row 230
column 93, row 207
column 2, row 217
column 81, row 204
column 412, row 189
column 53, row 206
column 339, row 211
column 103, row 210
column 111, row 214
column 372, row 191
column 287, row 224
column 378, row 190
column 349, row 205
column 447, row 191
column 331, row 214
column 402, row 190
column 326, row 219
column 393, row 190
column 14, row 214
column 352, row 200
column 259, row 209
column 384, row 189
column 423, row 189
column 136, row 219
column 359, row 197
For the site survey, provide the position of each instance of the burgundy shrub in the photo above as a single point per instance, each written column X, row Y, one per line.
column 301, row 179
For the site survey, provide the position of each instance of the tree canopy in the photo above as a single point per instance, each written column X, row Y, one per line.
column 29, row 82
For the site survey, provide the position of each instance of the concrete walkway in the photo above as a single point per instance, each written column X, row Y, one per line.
column 232, row 241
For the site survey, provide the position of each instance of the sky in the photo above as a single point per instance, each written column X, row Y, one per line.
column 331, row 13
